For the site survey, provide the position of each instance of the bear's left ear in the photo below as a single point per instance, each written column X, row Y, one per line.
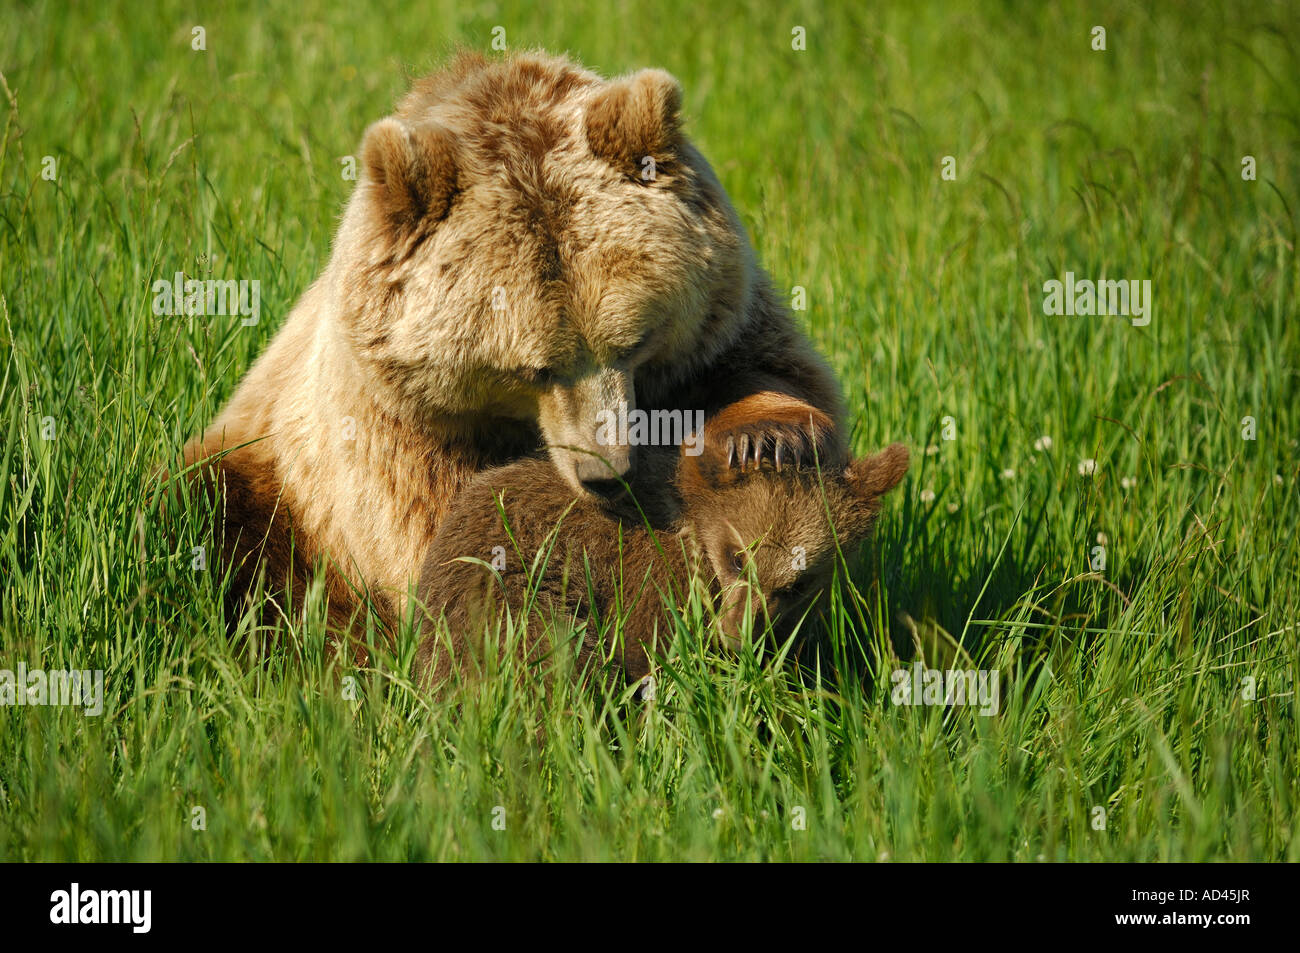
column 636, row 117
column 411, row 171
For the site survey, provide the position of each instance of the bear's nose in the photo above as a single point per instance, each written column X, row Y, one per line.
column 605, row 489
column 595, row 470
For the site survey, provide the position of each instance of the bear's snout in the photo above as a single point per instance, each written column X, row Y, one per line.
column 604, row 475
column 600, row 471
column 584, row 426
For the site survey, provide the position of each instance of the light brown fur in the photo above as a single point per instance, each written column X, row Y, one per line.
column 762, row 541
column 501, row 274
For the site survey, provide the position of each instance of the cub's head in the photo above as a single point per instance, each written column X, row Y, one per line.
column 768, row 521
column 530, row 242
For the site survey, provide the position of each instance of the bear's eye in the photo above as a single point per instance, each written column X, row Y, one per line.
column 738, row 560
column 536, row 376
column 629, row 354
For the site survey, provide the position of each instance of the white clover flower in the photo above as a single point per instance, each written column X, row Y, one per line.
column 931, row 450
column 1127, row 483
column 717, row 813
column 927, row 495
column 1043, row 443
column 1277, row 478
column 1087, row 467
column 1103, row 539
column 953, row 507
column 1008, row 474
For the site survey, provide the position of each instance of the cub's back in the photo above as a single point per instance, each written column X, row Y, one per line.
column 532, row 500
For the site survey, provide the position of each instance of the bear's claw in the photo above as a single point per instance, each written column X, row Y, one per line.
column 778, row 445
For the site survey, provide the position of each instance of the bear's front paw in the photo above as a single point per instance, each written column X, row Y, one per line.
column 777, row 444
column 768, row 429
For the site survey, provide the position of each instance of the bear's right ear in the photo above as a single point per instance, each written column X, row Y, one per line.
column 411, row 171
column 636, row 117
column 876, row 475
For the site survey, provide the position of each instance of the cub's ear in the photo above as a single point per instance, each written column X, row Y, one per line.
column 636, row 117
column 411, row 172
column 875, row 475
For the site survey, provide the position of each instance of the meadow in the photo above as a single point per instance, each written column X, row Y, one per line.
column 1102, row 510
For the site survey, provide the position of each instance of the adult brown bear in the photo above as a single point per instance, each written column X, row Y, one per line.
column 531, row 249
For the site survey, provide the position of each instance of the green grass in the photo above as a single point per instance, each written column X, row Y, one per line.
column 1121, row 689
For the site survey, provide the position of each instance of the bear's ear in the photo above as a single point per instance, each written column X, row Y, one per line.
column 636, row 117
column 876, row 475
column 411, row 171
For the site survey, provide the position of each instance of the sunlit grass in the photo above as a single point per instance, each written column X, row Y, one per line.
column 1123, row 689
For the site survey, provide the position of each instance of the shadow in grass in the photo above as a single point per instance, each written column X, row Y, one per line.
column 919, row 594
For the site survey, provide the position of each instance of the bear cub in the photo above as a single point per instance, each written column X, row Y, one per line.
column 762, row 507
